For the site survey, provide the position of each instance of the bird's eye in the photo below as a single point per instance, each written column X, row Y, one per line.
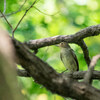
column 62, row 43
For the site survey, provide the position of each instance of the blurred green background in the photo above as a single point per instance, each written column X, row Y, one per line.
column 50, row 18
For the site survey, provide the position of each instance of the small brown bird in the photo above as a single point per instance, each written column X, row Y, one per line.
column 68, row 57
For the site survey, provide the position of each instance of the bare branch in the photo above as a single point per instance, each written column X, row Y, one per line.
column 80, row 75
column 12, row 12
column 85, row 51
column 23, row 17
column 22, row 5
column 4, row 6
column 88, row 75
column 76, row 75
column 46, row 13
column 87, row 32
column 20, row 9
column 6, row 20
column 13, row 30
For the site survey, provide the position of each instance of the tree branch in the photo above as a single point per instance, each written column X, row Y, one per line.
column 13, row 30
column 4, row 7
column 80, row 75
column 23, row 17
column 75, row 75
column 44, row 74
column 87, row 32
column 20, row 9
column 6, row 20
column 85, row 51
column 89, row 74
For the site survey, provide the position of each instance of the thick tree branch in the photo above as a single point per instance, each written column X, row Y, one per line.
column 44, row 74
column 89, row 74
column 87, row 32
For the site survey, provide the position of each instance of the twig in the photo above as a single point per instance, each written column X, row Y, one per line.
column 45, row 13
column 6, row 20
column 4, row 6
column 13, row 30
column 85, row 51
column 22, row 5
column 88, row 75
column 12, row 13
column 23, row 17
column 20, row 9
column 33, row 7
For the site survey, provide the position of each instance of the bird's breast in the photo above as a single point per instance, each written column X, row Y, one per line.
column 68, row 60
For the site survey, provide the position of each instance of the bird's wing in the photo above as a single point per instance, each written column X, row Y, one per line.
column 75, row 57
column 61, row 56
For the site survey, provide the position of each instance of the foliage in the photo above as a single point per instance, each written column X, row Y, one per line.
column 53, row 17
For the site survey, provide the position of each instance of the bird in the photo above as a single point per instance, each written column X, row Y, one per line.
column 68, row 57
